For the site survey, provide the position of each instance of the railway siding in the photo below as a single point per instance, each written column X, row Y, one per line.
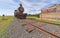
column 37, row 29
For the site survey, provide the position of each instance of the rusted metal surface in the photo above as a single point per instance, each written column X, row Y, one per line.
column 32, row 29
column 42, row 30
column 19, row 13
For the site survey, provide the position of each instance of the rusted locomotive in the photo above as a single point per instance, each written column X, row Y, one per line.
column 19, row 13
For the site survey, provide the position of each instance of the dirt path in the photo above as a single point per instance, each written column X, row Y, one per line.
column 18, row 28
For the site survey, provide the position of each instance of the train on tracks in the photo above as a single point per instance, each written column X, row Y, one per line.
column 19, row 13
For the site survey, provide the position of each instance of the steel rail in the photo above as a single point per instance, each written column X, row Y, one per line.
column 42, row 30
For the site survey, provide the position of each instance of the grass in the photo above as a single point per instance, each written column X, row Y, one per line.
column 49, row 21
column 42, row 20
column 31, row 17
column 4, row 25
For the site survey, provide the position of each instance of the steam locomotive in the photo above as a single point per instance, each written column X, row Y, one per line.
column 19, row 13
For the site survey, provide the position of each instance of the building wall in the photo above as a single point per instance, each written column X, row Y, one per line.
column 51, row 13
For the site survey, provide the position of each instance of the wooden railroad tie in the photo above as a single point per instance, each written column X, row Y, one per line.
column 42, row 30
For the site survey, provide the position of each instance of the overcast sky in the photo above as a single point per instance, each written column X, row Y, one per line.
column 7, row 7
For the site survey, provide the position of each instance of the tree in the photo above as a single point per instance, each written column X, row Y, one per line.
column 3, row 17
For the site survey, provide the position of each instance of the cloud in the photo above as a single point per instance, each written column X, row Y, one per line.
column 7, row 7
column 6, row 12
column 33, row 5
column 30, row 6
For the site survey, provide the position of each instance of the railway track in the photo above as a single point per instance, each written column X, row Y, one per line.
column 34, row 26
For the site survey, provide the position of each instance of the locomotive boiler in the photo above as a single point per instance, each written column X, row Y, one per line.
column 19, row 13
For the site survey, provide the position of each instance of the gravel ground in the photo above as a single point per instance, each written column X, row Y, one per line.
column 16, row 30
column 51, row 28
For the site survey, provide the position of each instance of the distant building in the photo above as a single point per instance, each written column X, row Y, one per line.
column 51, row 13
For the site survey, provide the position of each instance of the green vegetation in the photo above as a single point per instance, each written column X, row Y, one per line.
column 35, row 15
column 41, row 20
column 49, row 21
column 32, row 17
column 4, row 25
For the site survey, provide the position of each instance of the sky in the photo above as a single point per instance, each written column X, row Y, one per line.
column 7, row 7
